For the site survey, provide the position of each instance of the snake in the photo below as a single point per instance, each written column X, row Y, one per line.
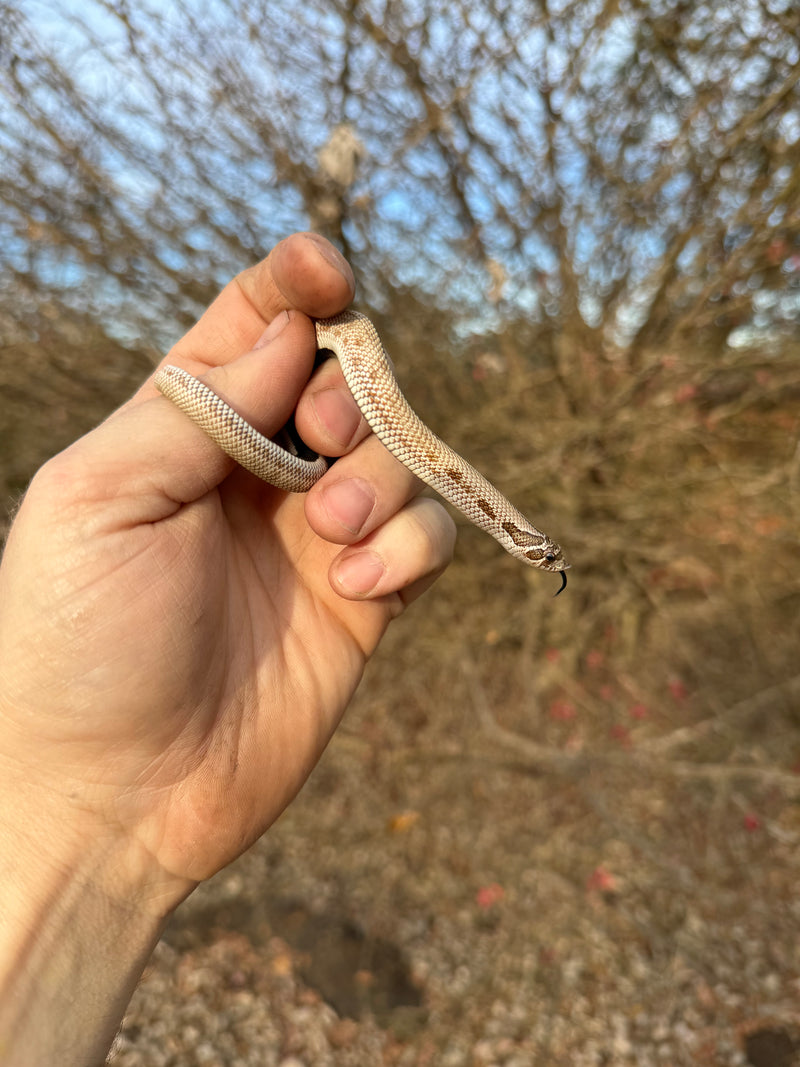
column 367, row 369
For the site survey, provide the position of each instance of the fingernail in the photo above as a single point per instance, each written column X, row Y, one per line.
column 360, row 573
column 333, row 256
column 277, row 326
column 350, row 503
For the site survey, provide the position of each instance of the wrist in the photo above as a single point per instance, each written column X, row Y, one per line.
column 80, row 912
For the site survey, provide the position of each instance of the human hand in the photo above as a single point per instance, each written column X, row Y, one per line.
column 178, row 640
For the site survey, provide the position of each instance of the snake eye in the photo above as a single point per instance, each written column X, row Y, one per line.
column 550, row 557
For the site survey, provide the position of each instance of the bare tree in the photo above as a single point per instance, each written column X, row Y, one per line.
column 630, row 168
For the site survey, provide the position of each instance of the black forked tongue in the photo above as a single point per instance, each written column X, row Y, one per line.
column 563, row 584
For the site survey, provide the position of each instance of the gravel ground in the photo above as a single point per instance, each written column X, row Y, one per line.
column 434, row 898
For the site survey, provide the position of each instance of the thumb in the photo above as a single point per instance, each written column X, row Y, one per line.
column 149, row 449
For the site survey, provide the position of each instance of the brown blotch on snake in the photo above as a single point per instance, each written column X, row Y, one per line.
column 523, row 537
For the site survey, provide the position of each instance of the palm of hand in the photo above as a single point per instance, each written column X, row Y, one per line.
column 222, row 661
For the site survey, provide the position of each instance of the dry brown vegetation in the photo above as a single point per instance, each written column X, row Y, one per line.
column 549, row 832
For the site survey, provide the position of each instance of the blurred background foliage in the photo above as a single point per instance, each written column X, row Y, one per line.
column 578, row 229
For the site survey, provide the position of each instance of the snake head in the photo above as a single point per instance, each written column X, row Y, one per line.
column 537, row 550
column 548, row 557
column 553, row 560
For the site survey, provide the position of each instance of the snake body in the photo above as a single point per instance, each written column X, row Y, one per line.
column 355, row 342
